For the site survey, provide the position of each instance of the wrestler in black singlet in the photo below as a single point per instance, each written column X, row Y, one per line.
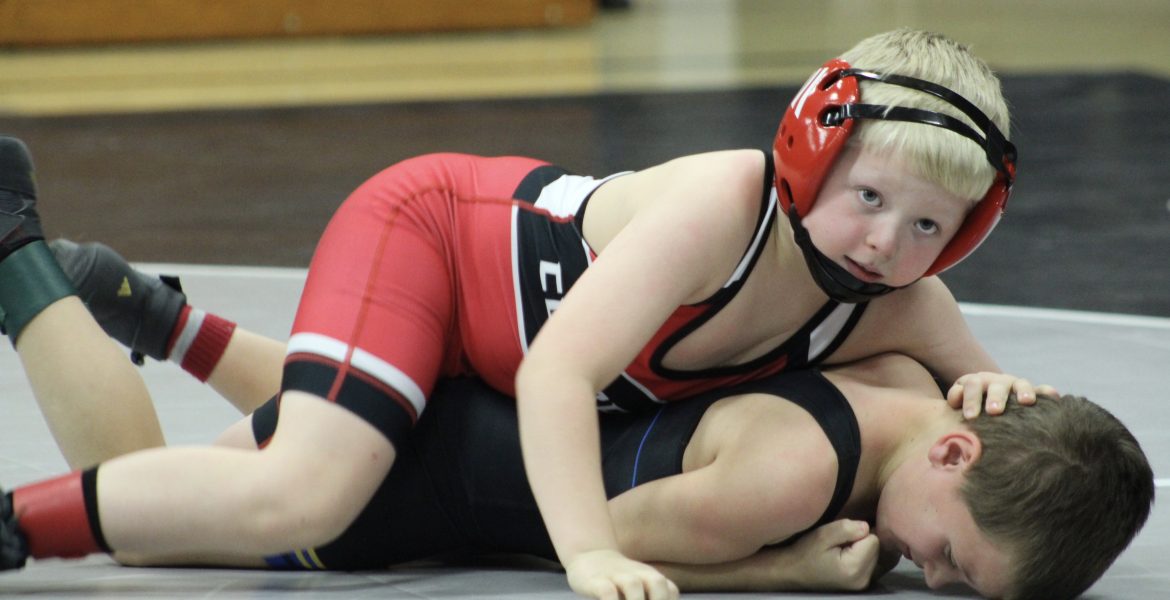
column 459, row 486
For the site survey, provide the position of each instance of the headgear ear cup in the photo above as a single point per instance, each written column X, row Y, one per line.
column 805, row 147
column 811, row 137
column 977, row 226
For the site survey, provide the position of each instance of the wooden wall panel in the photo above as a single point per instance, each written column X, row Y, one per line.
column 57, row 22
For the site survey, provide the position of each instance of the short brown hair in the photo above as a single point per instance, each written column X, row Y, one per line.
column 1064, row 487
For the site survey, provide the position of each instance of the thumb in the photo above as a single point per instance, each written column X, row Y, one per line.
column 843, row 532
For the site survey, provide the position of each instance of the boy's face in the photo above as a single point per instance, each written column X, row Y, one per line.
column 879, row 221
column 921, row 514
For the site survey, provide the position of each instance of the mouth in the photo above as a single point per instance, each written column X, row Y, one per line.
column 862, row 272
column 908, row 555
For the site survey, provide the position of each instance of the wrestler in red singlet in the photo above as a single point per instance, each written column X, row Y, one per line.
column 448, row 264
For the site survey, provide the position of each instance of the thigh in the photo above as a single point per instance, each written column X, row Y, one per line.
column 308, row 484
column 378, row 322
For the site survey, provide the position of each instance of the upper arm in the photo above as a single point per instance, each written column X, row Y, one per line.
column 763, row 489
column 924, row 322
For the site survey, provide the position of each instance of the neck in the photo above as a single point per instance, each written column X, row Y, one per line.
column 897, row 426
column 904, row 432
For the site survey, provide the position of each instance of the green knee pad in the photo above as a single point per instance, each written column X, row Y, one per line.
column 30, row 280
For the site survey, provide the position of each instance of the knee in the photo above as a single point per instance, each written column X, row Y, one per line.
column 313, row 479
column 296, row 513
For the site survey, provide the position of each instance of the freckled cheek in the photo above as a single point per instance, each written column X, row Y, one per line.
column 843, row 236
column 915, row 262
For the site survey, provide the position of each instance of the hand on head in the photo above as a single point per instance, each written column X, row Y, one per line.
column 978, row 391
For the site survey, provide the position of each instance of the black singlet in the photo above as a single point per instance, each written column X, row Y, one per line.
column 459, row 486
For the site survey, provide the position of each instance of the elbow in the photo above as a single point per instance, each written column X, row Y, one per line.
column 721, row 537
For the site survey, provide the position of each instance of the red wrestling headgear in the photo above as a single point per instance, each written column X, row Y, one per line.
column 821, row 117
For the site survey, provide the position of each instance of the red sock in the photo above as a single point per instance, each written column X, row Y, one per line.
column 198, row 341
column 59, row 517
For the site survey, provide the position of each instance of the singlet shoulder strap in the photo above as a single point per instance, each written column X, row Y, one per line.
column 767, row 215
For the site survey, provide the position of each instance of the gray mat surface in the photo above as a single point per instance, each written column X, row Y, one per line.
column 1119, row 361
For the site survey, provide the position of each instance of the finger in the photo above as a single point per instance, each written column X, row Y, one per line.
column 865, row 551
column 972, row 399
column 659, row 588
column 1047, row 390
column 955, row 395
column 603, row 590
column 631, row 586
column 841, row 532
column 1025, row 394
column 997, row 395
column 858, row 565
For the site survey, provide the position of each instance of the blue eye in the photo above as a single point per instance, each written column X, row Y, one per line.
column 926, row 226
column 869, row 197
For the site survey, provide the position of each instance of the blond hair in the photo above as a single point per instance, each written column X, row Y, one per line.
column 950, row 160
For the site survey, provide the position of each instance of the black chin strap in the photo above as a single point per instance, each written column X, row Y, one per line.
column 832, row 278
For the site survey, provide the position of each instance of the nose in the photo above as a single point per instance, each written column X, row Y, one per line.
column 882, row 239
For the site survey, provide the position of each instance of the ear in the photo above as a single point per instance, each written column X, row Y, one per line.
column 956, row 450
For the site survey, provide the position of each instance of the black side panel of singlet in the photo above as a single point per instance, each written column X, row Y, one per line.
column 550, row 256
column 535, row 182
column 651, row 447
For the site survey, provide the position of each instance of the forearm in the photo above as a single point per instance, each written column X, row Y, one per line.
column 560, row 442
column 765, row 571
column 944, row 341
column 838, row 556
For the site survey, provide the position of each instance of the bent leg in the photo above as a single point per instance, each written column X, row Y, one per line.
column 304, row 489
column 96, row 405
column 149, row 314
column 248, row 374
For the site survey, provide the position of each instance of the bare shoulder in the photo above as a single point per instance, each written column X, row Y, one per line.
column 781, row 463
column 722, row 173
column 718, row 164
column 712, row 200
